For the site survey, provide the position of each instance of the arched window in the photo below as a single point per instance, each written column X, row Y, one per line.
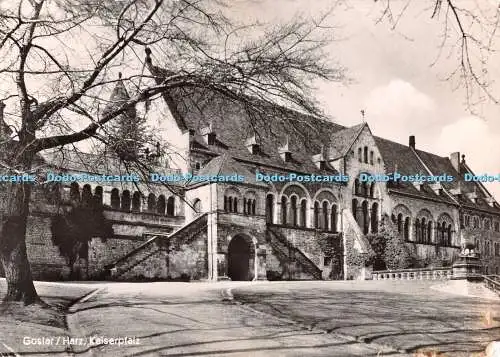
column 374, row 217
column 372, row 189
column 450, row 236
column 98, row 194
column 354, row 208
column 254, row 204
column 303, row 213
column 407, row 229
column 418, row 235
column 400, row 223
column 443, row 234
column 356, row 187
column 86, row 195
column 366, row 221
column 324, row 210
column 429, row 232
column 151, row 203
column 230, row 204
column 360, row 154
column 371, row 157
column 424, row 230
column 235, row 204
column 269, row 208
column 365, row 191
column 365, row 152
column 171, row 206
column 160, row 205
column 293, row 211
column 283, row 210
column 126, row 200
column 136, row 202
column 437, row 237
column 197, row 206
column 115, row 198
column 316, row 214
column 74, row 192
column 333, row 219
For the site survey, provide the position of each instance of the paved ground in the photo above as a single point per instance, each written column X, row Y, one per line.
column 20, row 326
column 176, row 319
column 272, row 319
column 408, row 316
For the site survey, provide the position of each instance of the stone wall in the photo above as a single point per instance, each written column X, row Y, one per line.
column 106, row 251
column 45, row 259
column 181, row 256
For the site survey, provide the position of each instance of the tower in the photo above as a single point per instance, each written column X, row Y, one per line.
column 124, row 131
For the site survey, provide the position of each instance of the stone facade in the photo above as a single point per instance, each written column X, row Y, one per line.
column 254, row 229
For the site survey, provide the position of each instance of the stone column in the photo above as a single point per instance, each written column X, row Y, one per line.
column 106, row 196
column 260, row 264
column 222, row 267
column 212, row 249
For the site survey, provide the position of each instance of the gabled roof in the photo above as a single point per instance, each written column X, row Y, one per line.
column 410, row 161
column 342, row 140
column 195, row 108
column 225, row 165
column 402, row 158
column 438, row 165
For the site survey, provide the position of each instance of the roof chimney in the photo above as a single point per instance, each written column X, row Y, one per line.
column 411, row 142
column 455, row 161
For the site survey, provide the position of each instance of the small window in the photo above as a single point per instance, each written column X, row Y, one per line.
column 197, row 165
column 327, row 261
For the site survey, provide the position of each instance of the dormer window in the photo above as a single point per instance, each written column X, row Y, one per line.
column 285, row 153
column 208, row 134
column 457, row 191
column 252, row 145
column 490, row 201
column 437, row 188
column 320, row 159
column 472, row 196
column 419, row 185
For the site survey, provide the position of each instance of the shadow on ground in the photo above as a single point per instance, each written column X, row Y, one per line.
column 411, row 320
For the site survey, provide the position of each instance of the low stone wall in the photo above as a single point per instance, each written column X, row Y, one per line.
column 414, row 274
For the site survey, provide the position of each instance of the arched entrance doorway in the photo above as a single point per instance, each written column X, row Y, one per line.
column 240, row 259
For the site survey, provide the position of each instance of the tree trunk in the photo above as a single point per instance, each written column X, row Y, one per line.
column 13, row 253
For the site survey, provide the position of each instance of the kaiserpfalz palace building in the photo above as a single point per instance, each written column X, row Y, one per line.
column 254, row 230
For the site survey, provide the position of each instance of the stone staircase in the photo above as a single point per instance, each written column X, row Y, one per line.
column 360, row 242
column 159, row 244
column 295, row 263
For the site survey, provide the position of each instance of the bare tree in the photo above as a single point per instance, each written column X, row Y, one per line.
column 469, row 38
column 58, row 60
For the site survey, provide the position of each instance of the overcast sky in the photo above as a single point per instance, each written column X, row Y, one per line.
column 394, row 82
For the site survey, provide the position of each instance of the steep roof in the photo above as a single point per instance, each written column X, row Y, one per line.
column 225, row 165
column 402, row 158
column 233, row 122
column 438, row 164
column 410, row 161
column 342, row 140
